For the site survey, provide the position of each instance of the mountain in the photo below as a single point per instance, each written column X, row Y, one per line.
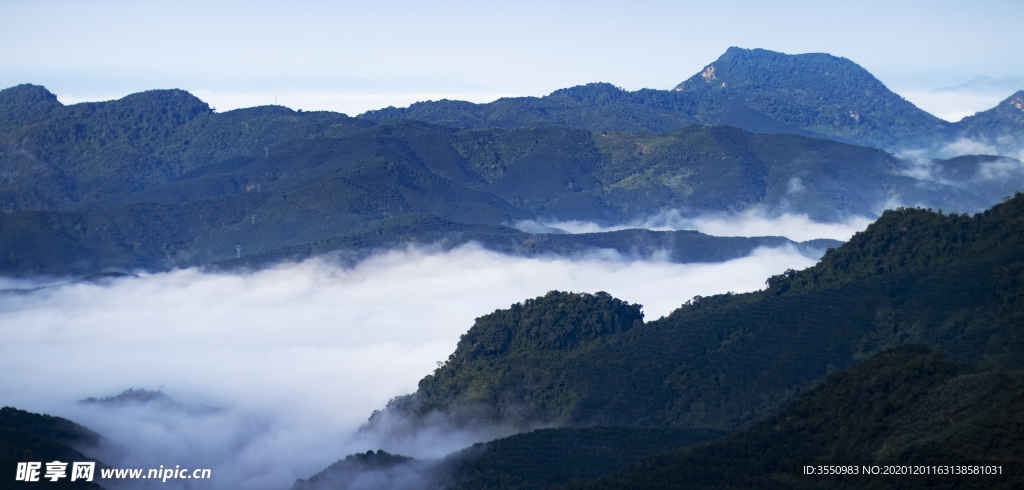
column 158, row 180
column 951, row 282
column 904, row 406
column 31, row 437
column 756, row 90
column 815, row 92
column 833, row 365
column 999, row 126
column 538, row 459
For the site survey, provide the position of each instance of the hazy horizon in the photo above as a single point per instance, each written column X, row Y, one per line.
column 356, row 95
column 235, row 57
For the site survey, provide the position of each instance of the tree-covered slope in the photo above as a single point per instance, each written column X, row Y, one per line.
column 539, row 459
column 815, row 92
column 549, row 457
column 952, row 282
column 32, row 437
column 158, row 180
column 905, row 405
column 1001, row 126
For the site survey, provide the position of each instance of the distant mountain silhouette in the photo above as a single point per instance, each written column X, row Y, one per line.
column 757, row 90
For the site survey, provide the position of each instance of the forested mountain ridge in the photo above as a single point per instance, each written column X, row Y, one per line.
column 762, row 91
column 159, row 180
column 820, row 93
column 903, row 406
column 26, row 436
column 825, row 366
column 1000, row 126
column 951, row 282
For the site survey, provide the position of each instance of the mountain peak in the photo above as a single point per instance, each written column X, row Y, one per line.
column 1015, row 100
column 27, row 93
column 815, row 92
column 999, row 126
column 167, row 100
column 763, row 68
column 26, row 102
column 591, row 92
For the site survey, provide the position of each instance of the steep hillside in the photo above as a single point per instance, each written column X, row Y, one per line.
column 32, row 437
column 539, row 459
column 815, row 92
column 1001, row 126
column 953, row 283
column 903, row 406
column 157, row 180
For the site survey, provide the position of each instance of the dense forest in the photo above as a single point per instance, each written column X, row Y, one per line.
column 725, row 361
column 905, row 405
column 158, row 180
column 902, row 345
column 28, row 436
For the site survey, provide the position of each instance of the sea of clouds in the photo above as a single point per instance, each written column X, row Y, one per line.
column 272, row 372
column 752, row 222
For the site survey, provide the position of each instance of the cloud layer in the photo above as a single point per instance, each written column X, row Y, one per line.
column 297, row 356
column 752, row 222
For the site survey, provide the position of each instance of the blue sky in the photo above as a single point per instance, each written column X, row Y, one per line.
column 478, row 50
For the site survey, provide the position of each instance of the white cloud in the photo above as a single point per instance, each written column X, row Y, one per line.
column 298, row 355
column 752, row 222
column 964, row 146
column 1003, row 171
column 954, row 106
column 795, row 186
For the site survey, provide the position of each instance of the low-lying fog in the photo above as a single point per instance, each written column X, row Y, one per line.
column 296, row 357
column 752, row 222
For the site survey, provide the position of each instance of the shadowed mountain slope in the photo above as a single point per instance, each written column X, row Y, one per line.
column 1000, row 126
column 904, row 406
column 31, row 437
column 951, row 282
column 158, row 180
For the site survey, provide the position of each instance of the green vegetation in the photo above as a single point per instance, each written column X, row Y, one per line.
column 157, row 180
column 999, row 126
column 513, row 361
column 904, row 405
column 951, row 282
column 549, row 457
column 534, row 460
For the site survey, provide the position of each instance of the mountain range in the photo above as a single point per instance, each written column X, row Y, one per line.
column 757, row 90
column 903, row 344
column 834, row 364
column 158, row 180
